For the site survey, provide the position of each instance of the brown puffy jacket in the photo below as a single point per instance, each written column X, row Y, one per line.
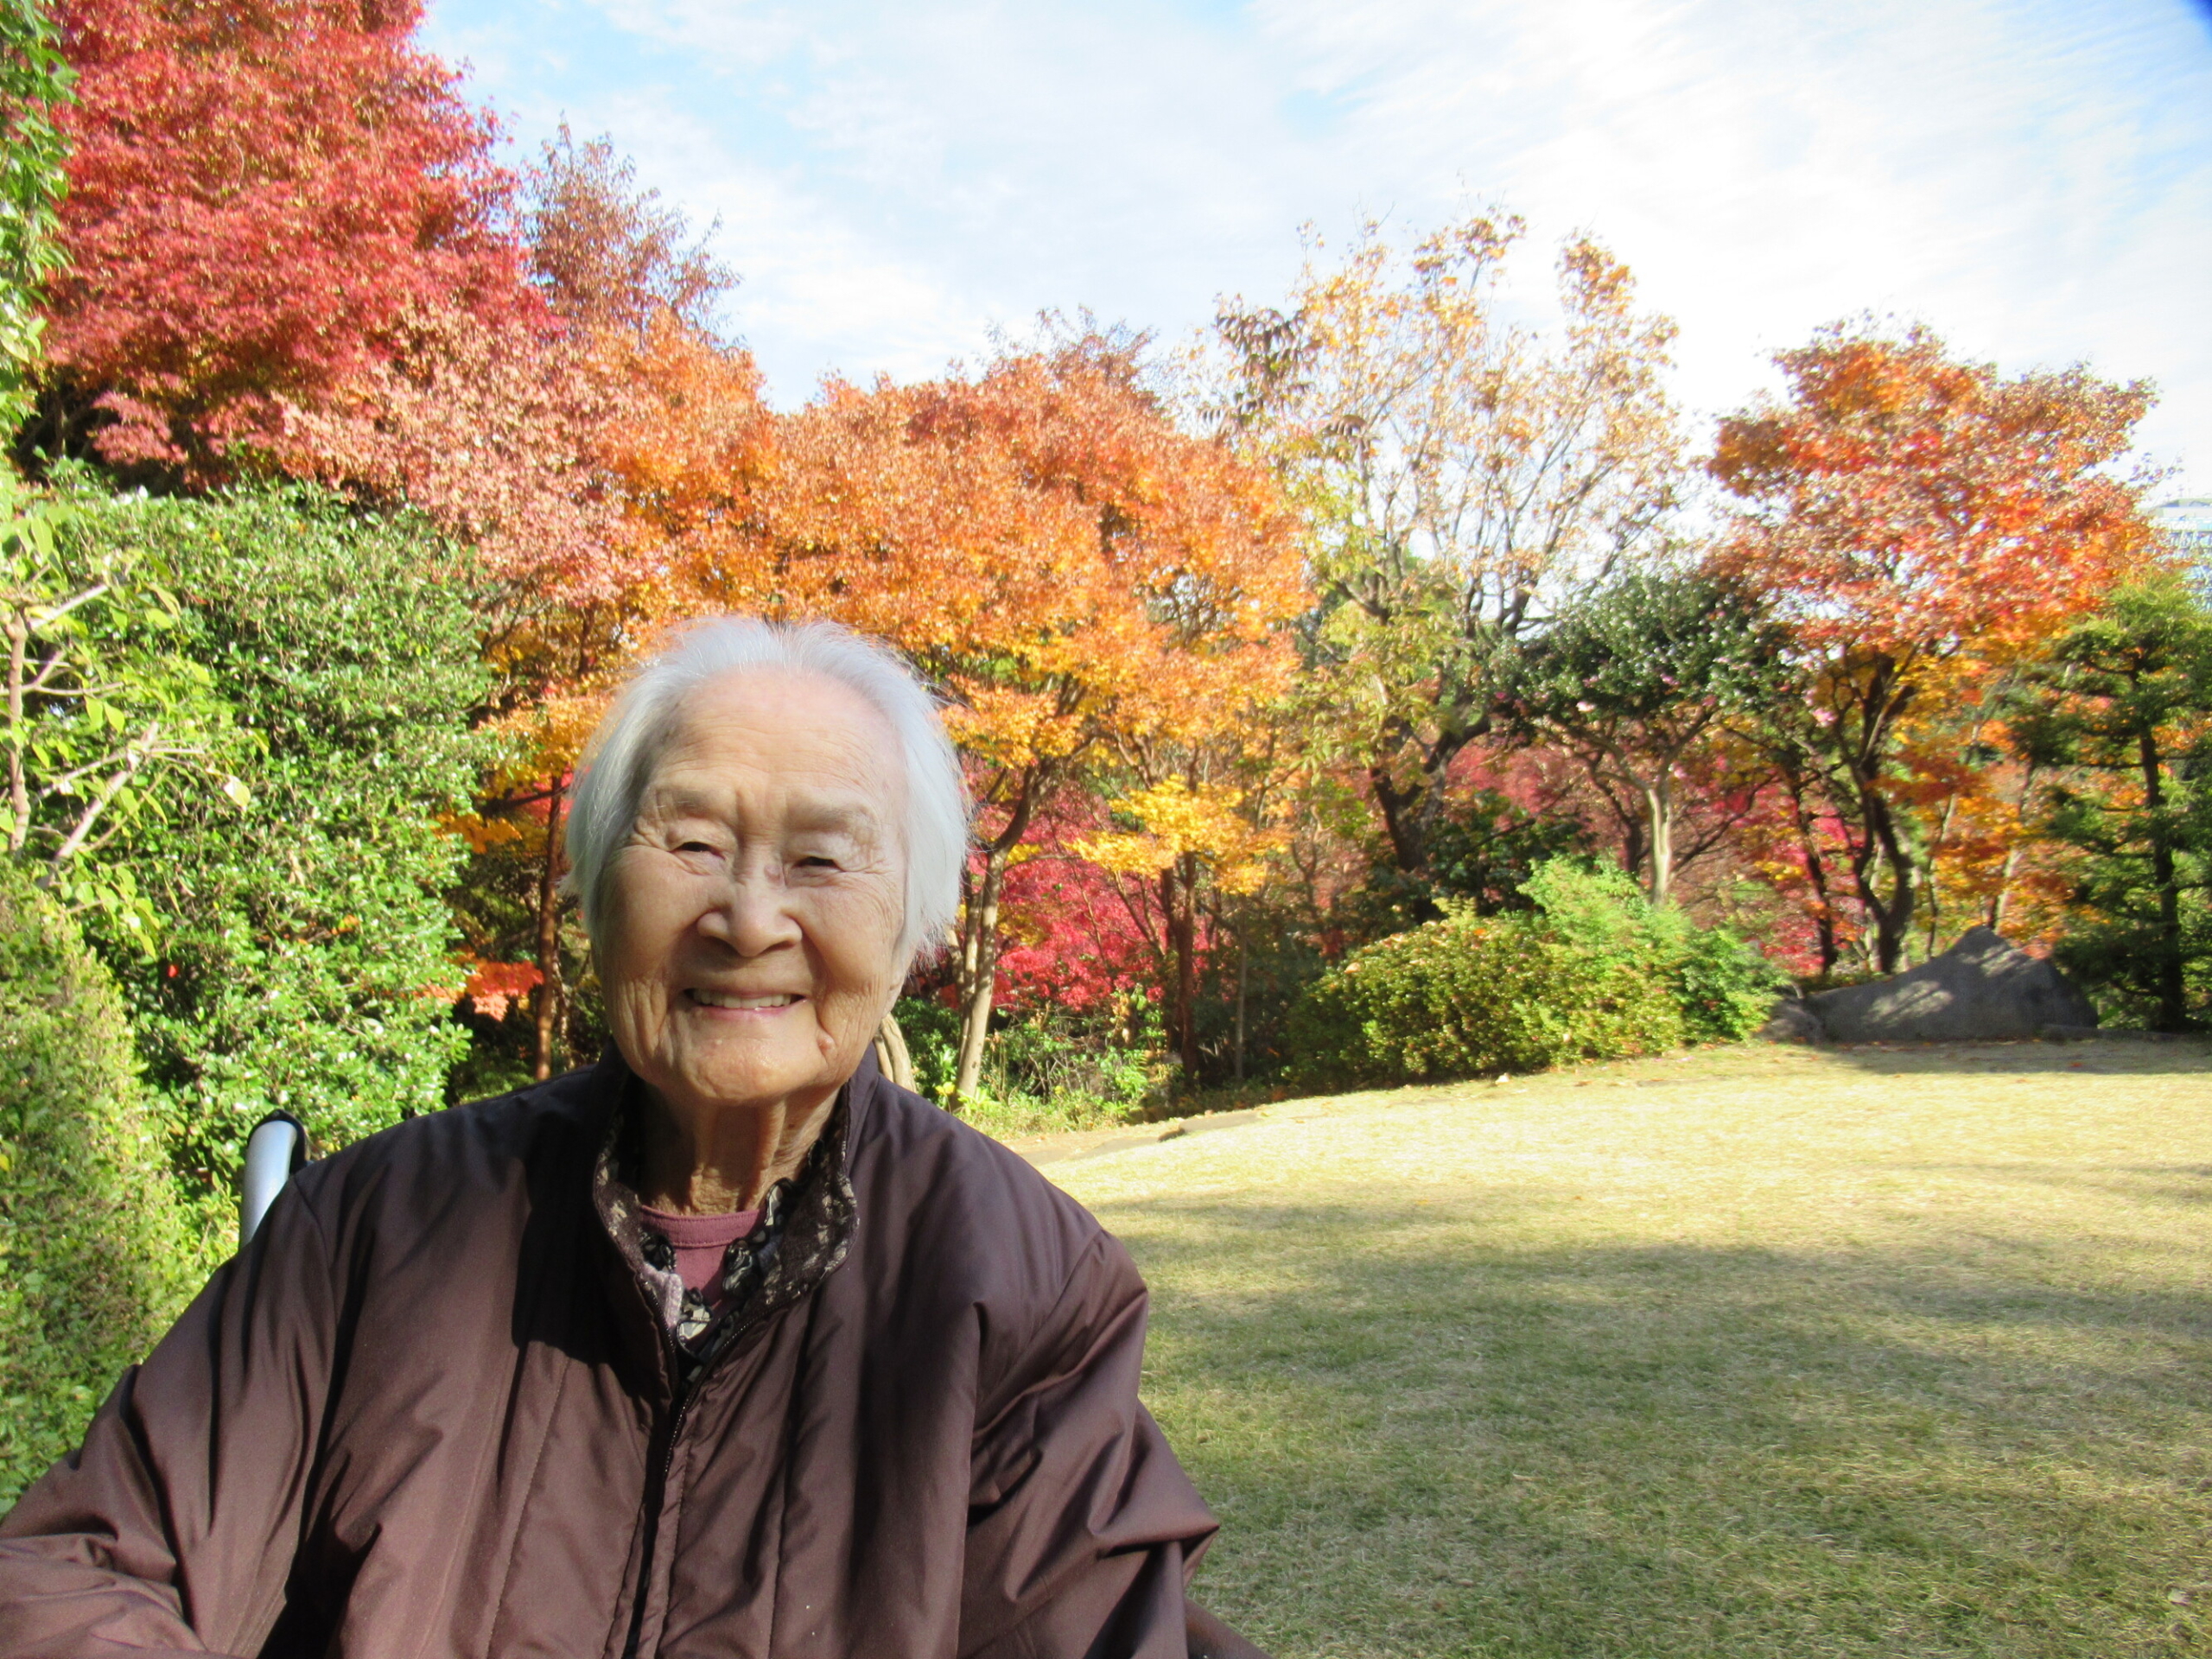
column 429, row 1411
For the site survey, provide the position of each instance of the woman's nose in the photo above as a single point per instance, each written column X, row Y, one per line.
column 754, row 915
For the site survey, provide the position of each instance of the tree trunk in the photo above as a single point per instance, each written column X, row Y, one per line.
column 1660, row 797
column 1243, row 964
column 979, row 966
column 548, row 1007
column 1881, row 706
column 1893, row 915
column 2001, row 898
column 1181, row 911
column 1634, row 816
column 892, row 1058
column 2173, row 1007
column 1879, row 947
column 1816, row 873
column 19, row 793
column 1824, row 933
column 1932, row 931
column 1998, row 899
column 1409, row 814
column 1403, row 820
column 977, row 981
column 1880, row 842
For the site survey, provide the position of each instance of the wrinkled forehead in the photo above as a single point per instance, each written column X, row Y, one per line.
column 803, row 740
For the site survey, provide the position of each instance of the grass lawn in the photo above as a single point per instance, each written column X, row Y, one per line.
column 1762, row 1352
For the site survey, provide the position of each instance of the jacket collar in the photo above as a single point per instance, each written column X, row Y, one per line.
column 804, row 1233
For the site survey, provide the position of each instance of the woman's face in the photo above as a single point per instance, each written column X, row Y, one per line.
column 749, row 926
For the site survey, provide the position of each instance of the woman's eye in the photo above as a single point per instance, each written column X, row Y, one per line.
column 817, row 861
column 694, row 847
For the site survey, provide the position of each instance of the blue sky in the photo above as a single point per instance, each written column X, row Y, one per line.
column 895, row 181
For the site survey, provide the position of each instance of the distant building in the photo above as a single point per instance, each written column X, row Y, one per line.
column 2187, row 521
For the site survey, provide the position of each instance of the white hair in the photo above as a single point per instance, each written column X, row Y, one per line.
column 618, row 762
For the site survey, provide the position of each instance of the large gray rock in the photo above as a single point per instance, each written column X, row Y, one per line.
column 1793, row 1022
column 1984, row 989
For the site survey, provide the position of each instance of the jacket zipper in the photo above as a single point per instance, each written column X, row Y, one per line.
column 656, row 1501
column 690, row 1372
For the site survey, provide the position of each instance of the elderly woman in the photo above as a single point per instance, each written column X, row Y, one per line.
column 723, row 1347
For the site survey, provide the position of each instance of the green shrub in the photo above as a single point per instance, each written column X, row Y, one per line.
column 94, row 1255
column 1727, row 990
column 1044, row 1070
column 1590, row 972
column 304, row 951
column 1048, row 1056
column 932, row 1034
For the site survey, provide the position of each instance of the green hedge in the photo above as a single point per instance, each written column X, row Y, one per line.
column 95, row 1259
column 303, row 958
column 1592, row 972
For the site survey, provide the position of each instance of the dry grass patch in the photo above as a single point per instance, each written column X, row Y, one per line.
column 1762, row 1352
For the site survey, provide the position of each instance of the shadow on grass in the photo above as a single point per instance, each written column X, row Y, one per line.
column 1425, row 1438
column 2178, row 1184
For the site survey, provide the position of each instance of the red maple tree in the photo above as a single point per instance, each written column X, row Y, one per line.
column 262, row 195
column 1916, row 518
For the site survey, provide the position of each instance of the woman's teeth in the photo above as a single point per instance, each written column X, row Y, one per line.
column 723, row 1000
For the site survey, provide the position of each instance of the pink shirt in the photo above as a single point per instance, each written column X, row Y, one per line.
column 701, row 1241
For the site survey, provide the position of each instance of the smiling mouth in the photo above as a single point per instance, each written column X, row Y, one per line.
column 749, row 1004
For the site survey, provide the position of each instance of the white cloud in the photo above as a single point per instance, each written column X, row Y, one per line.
column 1996, row 169
column 810, row 274
column 2033, row 177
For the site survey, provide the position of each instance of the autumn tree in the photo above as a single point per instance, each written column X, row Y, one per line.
column 262, row 196
column 1976, row 804
column 1797, row 843
column 1634, row 680
column 1916, row 520
column 1043, row 540
column 1179, row 842
column 1197, row 769
column 291, row 249
column 608, row 253
column 1067, row 939
column 1464, row 475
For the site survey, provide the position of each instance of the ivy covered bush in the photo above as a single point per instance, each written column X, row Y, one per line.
column 1591, row 971
column 95, row 1256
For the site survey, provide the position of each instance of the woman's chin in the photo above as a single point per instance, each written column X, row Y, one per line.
column 756, row 1073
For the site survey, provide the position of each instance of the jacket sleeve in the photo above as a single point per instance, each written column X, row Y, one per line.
column 1082, row 1526
column 172, row 1528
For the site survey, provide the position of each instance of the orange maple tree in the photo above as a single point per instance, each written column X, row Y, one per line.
column 1918, row 520
column 1043, row 539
